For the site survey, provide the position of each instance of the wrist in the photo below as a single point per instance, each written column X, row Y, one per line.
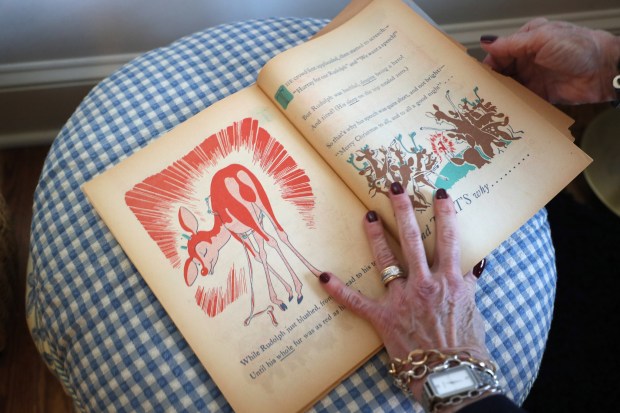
column 616, row 73
column 609, row 47
column 465, row 402
column 444, row 381
column 416, row 386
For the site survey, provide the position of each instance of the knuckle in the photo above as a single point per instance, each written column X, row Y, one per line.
column 455, row 281
column 537, row 21
column 428, row 289
column 352, row 299
column 449, row 235
column 411, row 235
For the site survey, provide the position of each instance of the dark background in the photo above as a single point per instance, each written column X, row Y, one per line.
column 580, row 367
column 579, row 371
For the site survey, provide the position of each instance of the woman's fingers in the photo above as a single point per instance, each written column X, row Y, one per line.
column 447, row 257
column 352, row 299
column 384, row 257
column 408, row 231
column 508, row 53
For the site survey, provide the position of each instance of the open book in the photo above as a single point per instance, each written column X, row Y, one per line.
column 232, row 215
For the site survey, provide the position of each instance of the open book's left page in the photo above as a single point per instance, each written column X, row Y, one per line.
column 230, row 217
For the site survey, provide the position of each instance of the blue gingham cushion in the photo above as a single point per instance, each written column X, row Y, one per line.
column 97, row 324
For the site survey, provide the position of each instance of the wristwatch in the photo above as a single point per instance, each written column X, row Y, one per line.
column 451, row 385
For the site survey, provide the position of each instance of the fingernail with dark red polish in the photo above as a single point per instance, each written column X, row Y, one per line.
column 324, row 278
column 477, row 271
column 488, row 38
column 396, row 188
column 441, row 194
column 371, row 216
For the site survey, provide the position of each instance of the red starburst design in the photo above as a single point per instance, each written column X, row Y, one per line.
column 441, row 145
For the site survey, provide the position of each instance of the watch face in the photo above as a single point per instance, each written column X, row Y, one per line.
column 452, row 381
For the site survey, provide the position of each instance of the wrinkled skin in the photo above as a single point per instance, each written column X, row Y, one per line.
column 434, row 307
column 559, row 61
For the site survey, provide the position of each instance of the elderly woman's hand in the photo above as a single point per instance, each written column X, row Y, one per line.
column 433, row 307
column 559, row 61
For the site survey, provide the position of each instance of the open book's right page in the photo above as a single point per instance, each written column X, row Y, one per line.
column 387, row 97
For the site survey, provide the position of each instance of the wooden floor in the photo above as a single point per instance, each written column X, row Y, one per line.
column 26, row 385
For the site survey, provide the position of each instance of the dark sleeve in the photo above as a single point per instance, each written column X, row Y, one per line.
column 492, row 404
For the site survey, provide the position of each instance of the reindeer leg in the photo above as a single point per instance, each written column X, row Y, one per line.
column 263, row 258
column 251, row 276
column 484, row 141
column 264, row 206
column 284, row 238
column 268, row 310
column 287, row 287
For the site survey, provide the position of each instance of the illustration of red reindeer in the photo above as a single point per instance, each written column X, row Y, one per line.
column 239, row 204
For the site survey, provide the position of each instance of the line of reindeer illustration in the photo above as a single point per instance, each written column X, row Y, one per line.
column 468, row 134
column 383, row 166
column 239, row 205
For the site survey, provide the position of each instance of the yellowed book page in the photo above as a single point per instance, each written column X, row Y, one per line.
column 553, row 115
column 230, row 218
column 386, row 97
column 354, row 7
column 350, row 10
column 560, row 120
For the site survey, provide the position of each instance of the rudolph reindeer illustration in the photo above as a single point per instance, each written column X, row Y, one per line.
column 239, row 205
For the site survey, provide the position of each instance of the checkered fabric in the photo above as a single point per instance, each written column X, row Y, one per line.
column 97, row 324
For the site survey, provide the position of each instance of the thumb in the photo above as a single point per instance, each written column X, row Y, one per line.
column 500, row 54
column 355, row 301
column 504, row 52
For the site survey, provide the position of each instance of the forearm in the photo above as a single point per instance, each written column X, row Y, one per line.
column 461, row 407
column 492, row 404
